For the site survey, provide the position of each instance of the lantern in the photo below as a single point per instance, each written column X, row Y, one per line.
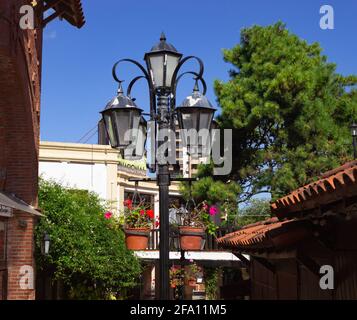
column 195, row 113
column 162, row 61
column 45, row 245
column 121, row 119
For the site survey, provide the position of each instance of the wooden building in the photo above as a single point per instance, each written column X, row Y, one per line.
column 308, row 250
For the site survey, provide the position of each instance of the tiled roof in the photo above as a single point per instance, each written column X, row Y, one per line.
column 270, row 234
column 72, row 12
column 331, row 186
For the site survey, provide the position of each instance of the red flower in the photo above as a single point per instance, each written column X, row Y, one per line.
column 142, row 212
column 108, row 215
column 128, row 203
column 150, row 214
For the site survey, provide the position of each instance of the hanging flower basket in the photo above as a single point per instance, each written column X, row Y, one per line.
column 196, row 221
column 191, row 238
column 137, row 238
column 138, row 223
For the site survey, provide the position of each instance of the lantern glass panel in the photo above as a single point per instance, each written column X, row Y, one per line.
column 47, row 247
column 110, row 129
column 157, row 69
column 121, row 118
column 171, row 63
column 189, row 120
column 205, row 120
column 354, row 130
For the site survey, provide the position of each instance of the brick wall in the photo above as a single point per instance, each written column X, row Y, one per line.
column 20, row 65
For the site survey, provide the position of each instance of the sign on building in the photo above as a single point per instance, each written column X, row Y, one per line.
column 5, row 211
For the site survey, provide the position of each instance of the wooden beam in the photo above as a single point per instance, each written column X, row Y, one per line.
column 308, row 263
column 51, row 17
column 277, row 255
column 50, row 4
column 242, row 258
column 265, row 263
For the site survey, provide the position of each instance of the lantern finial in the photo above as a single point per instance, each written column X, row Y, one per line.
column 196, row 88
column 120, row 88
column 162, row 37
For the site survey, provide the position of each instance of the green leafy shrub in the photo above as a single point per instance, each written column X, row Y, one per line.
column 88, row 251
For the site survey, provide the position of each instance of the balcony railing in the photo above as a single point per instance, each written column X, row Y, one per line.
column 209, row 241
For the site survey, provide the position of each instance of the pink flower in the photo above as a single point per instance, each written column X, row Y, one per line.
column 213, row 210
column 108, row 215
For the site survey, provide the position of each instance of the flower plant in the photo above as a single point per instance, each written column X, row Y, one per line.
column 137, row 216
column 193, row 270
column 200, row 216
column 176, row 276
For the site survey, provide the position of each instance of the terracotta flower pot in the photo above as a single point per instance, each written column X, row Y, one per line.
column 192, row 282
column 137, row 238
column 191, row 237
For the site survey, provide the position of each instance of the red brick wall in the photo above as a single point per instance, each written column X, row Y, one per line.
column 20, row 65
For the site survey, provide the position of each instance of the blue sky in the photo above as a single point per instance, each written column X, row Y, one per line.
column 77, row 80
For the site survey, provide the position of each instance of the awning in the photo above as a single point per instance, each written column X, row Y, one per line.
column 268, row 235
column 11, row 201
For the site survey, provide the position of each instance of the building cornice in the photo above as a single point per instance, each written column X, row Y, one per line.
column 77, row 152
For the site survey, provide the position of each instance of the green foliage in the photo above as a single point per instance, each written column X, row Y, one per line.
column 214, row 192
column 256, row 210
column 289, row 109
column 87, row 252
column 211, row 282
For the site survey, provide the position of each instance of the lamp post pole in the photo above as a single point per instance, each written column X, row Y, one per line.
column 123, row 120
column 163, row 182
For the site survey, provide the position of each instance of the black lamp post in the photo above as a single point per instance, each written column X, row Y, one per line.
column 163, row 64
column 354, row 141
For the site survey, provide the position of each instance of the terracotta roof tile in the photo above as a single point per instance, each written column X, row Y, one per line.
column 331, row 181
column 270, row 234
column 72, row 12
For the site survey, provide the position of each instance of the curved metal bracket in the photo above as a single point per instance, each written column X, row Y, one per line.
column 131, row 84
column 114, row 73
column 181, row 63
column 146, row 76
column 203, row 82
